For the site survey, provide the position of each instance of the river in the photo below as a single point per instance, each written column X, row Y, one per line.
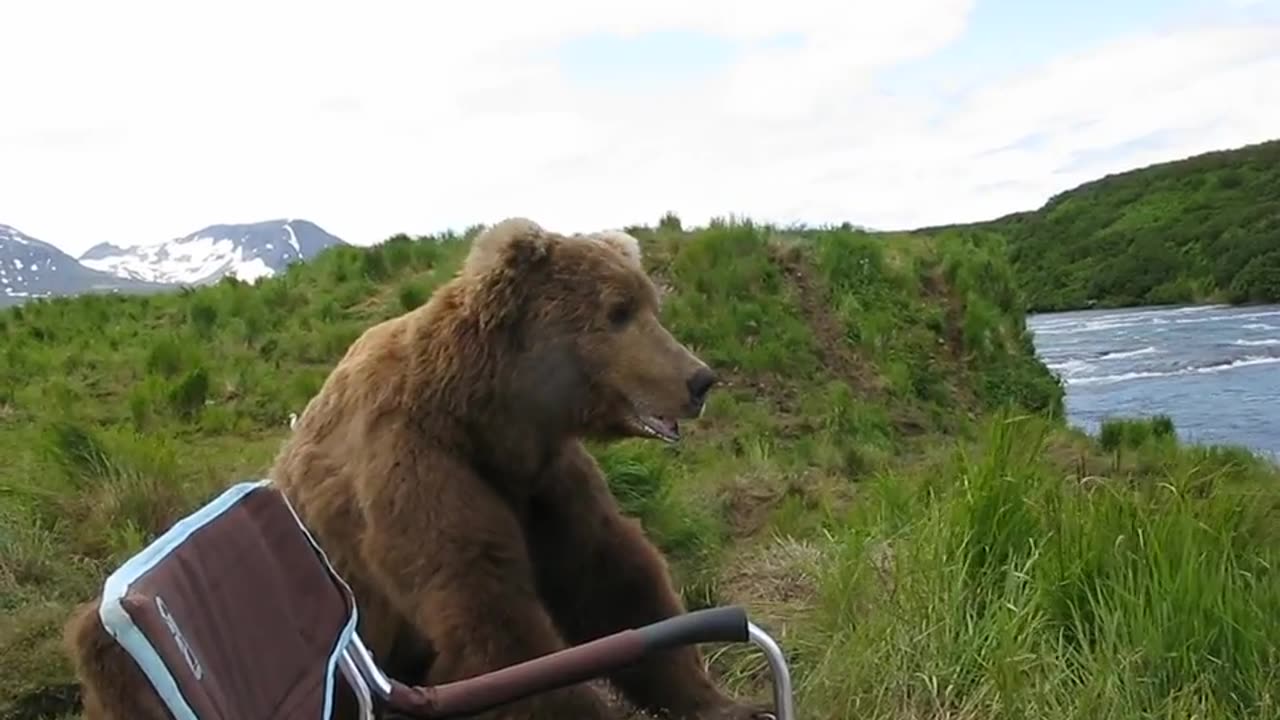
column 1214, row 369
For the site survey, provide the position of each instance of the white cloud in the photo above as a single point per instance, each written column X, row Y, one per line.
column 137, row 121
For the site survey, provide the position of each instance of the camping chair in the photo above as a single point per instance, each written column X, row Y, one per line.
column 236, row 612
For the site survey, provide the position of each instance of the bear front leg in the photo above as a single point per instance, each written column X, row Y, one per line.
column 599, row 574
column 451, row 557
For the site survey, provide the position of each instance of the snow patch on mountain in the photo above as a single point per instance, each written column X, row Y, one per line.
column 248, row 251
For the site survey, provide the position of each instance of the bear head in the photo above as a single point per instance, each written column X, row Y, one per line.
column 582, row 349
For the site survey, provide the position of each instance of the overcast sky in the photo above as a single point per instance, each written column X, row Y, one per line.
column 135, row 121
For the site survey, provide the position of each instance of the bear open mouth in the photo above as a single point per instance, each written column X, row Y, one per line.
column 667, row 429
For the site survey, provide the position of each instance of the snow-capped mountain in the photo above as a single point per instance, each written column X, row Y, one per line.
column 247, row 251
column 30, row 268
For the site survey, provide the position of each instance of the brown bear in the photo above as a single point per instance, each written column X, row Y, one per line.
column 442, row 468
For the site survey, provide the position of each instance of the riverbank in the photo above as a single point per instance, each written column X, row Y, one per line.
column 1196, row 230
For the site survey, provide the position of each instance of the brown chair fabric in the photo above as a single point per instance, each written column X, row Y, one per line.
column 234, row 613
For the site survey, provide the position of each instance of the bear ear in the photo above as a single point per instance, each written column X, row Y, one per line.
column 498, row 265
column 624, row 243
column 516, row 240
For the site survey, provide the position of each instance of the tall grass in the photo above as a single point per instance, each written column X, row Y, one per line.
column 1014, row 591
column 734, row 305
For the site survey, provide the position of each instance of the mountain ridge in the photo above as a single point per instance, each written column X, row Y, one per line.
column 33, row 268
column 246, row 250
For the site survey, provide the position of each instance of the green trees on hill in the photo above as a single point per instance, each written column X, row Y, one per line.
column 883, row 477
column 1206, row 228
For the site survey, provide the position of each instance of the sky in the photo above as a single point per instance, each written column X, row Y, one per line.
column 138, row 121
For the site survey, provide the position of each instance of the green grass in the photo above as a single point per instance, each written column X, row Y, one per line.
column 884, row 479
column 995, row 586
column 1201, row 229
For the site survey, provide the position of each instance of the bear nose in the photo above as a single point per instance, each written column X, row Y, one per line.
column 699, row 384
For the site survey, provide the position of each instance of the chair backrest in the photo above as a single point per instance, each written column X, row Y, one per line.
column 234, row 612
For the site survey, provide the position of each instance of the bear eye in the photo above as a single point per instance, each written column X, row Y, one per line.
column 620, row 314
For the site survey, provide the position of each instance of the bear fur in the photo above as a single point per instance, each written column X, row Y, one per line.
column 442, row 468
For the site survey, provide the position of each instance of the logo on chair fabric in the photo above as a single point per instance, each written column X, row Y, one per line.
column 178, row 637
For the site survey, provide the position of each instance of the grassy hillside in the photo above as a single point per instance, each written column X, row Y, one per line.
column 1206, row 228
column 883, row 480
